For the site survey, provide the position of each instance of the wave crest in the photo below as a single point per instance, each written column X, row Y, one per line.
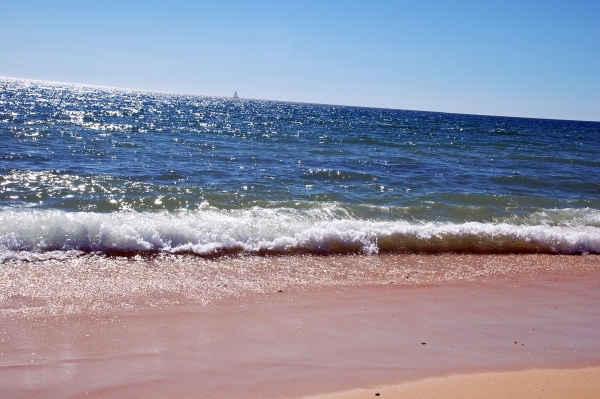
column 31, row 234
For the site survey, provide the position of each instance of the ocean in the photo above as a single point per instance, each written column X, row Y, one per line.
column 115, row 199
column 113, row 172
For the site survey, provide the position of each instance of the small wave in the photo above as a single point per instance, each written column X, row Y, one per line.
column 42, row 234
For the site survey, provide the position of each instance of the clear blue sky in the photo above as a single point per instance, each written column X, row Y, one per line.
column 519, row 58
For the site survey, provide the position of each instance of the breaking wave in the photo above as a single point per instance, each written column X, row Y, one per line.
column 42, row 234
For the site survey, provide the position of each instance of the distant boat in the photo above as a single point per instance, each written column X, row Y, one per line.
column 235, row 95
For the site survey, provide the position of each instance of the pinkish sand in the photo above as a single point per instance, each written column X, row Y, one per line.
column 338, row 334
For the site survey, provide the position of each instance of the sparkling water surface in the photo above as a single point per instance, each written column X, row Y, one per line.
column 101, row 169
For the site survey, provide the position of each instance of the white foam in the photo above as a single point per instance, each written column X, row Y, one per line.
column 31, row 234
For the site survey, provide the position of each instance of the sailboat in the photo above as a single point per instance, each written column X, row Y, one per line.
column 235, row 95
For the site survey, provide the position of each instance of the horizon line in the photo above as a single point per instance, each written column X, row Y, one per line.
column 287, row 101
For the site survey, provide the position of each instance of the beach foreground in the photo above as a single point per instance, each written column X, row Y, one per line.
column 541, row 383
column 354, row 331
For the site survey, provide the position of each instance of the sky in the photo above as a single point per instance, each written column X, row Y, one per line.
column 516, row 58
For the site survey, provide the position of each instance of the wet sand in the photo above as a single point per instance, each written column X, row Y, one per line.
column 308, row 340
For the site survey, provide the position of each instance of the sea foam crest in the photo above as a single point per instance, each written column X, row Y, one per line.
column 37, row 234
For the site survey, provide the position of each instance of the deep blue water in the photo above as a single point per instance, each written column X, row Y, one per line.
column 100, row 169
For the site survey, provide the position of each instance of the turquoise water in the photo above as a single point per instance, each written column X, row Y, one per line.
column 88, row 169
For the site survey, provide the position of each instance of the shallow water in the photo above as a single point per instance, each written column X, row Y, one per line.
column 97, row 284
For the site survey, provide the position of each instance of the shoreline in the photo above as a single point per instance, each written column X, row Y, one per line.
column 98, row 284
column 293, row 332
column 319, row 339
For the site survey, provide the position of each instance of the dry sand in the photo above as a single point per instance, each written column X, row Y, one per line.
column 545, row 383
column 319, row 341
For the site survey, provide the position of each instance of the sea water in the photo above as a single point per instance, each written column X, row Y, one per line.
column 113, row 172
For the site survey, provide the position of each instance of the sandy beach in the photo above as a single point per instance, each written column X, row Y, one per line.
column 539, row 383
column 333, row 337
